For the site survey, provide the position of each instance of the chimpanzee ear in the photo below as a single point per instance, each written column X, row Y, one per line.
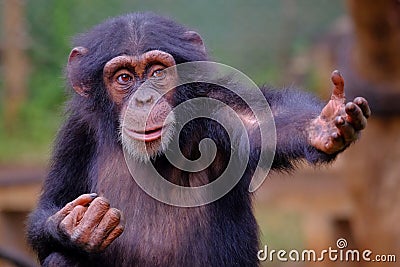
column 195, row 39
column 72, row 70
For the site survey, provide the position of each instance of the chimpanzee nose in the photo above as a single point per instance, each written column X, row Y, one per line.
column 144, row 98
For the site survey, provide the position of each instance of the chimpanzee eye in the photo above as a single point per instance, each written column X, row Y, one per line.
column 124, row 79
column 158, row 74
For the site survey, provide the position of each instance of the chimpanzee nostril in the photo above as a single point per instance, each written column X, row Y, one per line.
column 150, row 99
column 144, row 98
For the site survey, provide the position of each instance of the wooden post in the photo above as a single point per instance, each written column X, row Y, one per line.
column 15, row 62
column 377, row 33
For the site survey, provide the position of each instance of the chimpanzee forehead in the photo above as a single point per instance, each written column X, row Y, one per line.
column 139, row 63
column 133, row 35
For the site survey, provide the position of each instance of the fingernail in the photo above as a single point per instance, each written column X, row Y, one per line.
column 340, row 120
column 327, row 145
column 351, row 107
column 93, row 195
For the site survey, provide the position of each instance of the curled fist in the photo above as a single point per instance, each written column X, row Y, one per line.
column 88, row 222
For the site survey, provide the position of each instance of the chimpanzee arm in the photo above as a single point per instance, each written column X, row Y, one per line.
column 293, row 111
column 70, row 223
column 66, row 180
column 306, row 129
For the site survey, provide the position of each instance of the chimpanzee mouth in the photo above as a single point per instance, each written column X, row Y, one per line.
column 148, row 135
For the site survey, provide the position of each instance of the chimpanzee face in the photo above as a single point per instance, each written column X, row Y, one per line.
column 140, row 87
column 135, row 64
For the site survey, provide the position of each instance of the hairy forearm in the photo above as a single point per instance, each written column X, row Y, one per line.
column 293, row 113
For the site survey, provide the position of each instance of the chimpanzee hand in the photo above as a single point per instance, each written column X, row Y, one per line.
column 339, row 124
column 88, row 222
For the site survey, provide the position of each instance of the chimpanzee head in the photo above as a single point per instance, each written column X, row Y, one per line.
column 112, row 62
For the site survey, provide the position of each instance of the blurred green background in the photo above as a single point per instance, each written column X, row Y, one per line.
column 256, row 37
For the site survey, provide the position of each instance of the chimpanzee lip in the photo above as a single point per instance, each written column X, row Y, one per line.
column 148, row 135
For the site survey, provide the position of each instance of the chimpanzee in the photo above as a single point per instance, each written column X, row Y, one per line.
column 92, row 213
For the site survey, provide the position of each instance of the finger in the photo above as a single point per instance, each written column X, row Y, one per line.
column 72, row 219
column 331, row 145
column 338, row 89
column 363, row 104
column 336, row 137
column 112, row 236
column 91, row 219
column 335, row 143
column 110, row 220
column 339, row 121
column 347, row 131
column 82, row 200
column 355, row 116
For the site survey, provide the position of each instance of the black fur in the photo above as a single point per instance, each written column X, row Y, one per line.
column 223, row 233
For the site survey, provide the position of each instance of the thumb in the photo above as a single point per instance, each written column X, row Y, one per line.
column 338, row 89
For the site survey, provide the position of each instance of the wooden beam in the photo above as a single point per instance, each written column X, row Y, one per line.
column 15, row 61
